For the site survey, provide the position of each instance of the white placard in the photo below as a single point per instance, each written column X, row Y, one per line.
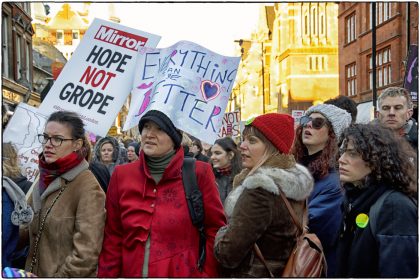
column 230, row 125
column 22, row 130
column 96, row 81
column 187, row 82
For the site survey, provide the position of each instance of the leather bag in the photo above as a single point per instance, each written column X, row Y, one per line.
column 307, row 258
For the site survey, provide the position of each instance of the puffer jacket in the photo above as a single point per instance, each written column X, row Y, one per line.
column 72, row 237
column 117, row 157
column 257, row 214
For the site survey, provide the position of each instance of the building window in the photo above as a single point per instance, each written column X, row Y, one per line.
column 351, row 80
column 351, row 28
column 383, row 12
column 306, row 24
column 60, row 37
column 313, row 23
column 28, row 61
column 18, row 57
column 321, row 24
column 317, row 63
column 383, row 68
column 75, row 35
column 6, row 42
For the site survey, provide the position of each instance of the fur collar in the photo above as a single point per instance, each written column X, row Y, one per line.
column 56, row 184
column 296, row 182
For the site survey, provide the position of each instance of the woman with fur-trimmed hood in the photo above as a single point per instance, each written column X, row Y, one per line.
column 107, row 152
column 256, row 211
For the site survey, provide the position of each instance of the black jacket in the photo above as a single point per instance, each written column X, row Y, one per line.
column 101, row 174
column 392, row 251
column 23, row 183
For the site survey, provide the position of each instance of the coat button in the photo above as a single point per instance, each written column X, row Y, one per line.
column 154, row 190
column 153, row 205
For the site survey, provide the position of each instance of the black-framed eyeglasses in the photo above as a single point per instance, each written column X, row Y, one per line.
column 54, row 140
column 317, row 123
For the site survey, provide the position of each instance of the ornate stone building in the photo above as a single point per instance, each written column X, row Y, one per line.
column 17, row 71
column 295, row 50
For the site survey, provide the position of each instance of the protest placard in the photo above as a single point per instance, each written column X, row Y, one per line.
column 22, row 130
column 96, row 81
column 187, row 82
column 230, row 125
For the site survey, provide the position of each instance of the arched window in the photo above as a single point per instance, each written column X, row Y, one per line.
column 313, row 22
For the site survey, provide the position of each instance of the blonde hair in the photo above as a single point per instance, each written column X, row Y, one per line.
column 11, row 167
column 270, row 149
column 186, row 140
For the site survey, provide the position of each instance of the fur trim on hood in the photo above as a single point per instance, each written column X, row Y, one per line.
column 296, row 182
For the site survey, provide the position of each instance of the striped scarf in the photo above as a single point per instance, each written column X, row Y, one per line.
column 50, row 171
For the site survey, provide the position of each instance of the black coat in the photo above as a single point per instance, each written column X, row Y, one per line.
column 101, row 174
column 392, row 251
column 23, row 183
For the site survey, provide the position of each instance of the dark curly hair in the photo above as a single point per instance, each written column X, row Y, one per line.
column 319, row 167
column 391, row 159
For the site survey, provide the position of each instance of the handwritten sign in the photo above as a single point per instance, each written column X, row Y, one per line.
column 230, row 125
column 187, row 82
column 97, row 80
column 22, row 130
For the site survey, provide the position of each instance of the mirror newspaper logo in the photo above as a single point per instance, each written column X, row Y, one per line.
column 120, row 38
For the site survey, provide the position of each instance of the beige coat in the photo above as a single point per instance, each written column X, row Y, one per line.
column 72, row 237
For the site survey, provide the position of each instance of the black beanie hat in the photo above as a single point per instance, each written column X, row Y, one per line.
column 164, row 123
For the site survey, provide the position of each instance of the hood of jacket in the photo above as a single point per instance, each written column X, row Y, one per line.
column 116, row 158
column 279, row 173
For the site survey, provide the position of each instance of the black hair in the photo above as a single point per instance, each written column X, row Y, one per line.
column 345, row 103
column 228, row 145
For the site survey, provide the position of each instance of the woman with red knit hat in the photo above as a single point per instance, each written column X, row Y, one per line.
column 255, row 209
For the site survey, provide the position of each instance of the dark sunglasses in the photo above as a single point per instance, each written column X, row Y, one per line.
column 317, row 123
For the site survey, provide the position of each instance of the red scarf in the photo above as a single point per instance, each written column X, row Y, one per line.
column 50, row 171
column 225, row 171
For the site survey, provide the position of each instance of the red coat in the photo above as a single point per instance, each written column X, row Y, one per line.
column 137, row 207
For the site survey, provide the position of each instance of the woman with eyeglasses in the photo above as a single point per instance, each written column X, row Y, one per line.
column 379, row 234
column 67, row 230
column 316, row 148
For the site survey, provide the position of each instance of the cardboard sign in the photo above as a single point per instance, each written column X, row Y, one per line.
column 22, row 130
column 96, row 81
column 230, row 125
column 187, row 82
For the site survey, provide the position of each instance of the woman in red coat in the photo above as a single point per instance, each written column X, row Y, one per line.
column 148, row 231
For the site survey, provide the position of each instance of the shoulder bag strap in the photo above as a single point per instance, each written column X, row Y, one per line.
column 41, row 228
column 261, row 258
column 293, row 214
column 295, row 221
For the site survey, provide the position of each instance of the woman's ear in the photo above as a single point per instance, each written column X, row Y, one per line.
column 231, row 155
column 78, row 144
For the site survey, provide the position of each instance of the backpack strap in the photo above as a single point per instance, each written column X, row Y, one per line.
column 195, row 205
column 374, row 211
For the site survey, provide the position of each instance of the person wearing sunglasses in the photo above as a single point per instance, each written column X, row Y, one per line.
column 316, row 148
column 65, row 236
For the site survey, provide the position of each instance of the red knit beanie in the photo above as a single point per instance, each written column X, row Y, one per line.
column 278, row 129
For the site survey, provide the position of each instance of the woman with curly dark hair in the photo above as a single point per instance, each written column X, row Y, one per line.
column 379, row 233
column 316, row 148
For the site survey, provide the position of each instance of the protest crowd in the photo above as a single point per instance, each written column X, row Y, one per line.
column 119, row 209
column 320, row 196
